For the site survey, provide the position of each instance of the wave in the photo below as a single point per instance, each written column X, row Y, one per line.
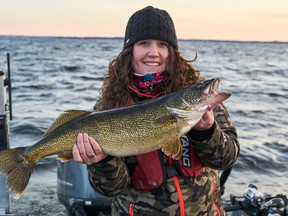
column 50, row 75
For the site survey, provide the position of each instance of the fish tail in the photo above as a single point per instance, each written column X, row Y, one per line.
column 17, row 169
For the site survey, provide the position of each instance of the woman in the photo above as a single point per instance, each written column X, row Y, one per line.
column 149, row 66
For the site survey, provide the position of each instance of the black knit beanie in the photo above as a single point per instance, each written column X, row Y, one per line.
column 150, row 23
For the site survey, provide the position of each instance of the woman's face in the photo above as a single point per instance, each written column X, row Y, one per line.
column 149, row 56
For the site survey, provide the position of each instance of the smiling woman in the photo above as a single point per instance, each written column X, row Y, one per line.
column 150, row 56
column 265, row 73
column 153, row 183
column 261, row 83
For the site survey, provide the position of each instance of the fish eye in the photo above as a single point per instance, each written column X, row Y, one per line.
column 199, row 85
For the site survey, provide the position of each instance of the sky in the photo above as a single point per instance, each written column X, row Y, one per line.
column 243, row 20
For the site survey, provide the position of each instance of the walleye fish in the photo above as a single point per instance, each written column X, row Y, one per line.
column 131, row 130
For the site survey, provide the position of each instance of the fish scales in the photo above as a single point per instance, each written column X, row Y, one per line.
column 131, row 130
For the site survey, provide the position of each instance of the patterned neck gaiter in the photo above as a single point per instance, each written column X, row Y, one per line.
column 150, row 84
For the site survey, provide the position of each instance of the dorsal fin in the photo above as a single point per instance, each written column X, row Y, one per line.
column 66, row 117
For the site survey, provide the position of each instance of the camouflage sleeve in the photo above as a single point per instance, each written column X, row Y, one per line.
column 109, row 178
column 221, row 149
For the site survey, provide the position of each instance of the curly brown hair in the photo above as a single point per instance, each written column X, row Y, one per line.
column 115, row 92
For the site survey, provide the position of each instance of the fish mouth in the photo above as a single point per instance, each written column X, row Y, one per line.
column 213, row 96
column 213, row 87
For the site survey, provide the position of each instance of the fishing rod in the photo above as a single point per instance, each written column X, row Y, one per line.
column 223, row 178
column 4, row 134
column 8, row 83
column 5, row 110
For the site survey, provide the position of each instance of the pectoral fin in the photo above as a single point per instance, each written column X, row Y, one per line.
column 173, row 148
column 164, row 120
column 191, row 117
column 180, row 112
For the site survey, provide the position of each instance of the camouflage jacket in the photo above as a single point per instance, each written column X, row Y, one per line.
column 201, row 193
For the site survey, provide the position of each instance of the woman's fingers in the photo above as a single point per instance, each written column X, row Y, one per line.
column 206, row 121
column 97, row 149
column 76, row 154
column 88, row 147
column 87, row 150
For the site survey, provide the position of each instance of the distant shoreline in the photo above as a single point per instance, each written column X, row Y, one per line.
column 121, row 38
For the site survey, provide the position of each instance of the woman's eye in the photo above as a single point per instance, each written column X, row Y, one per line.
column 143, row 42
column 163, row 44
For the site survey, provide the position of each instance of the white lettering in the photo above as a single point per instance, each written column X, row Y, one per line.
column 185, row 151
column 186, row 162
column 185, row 141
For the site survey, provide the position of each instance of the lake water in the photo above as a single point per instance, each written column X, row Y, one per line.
column 52, row 74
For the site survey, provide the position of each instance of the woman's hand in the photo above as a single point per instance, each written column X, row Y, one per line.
column 87, row 150
column 206, row 121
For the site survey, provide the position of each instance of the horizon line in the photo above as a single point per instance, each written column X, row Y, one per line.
column 119, row 37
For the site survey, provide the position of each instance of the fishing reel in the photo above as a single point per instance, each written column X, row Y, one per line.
column 253, row 196
column 254, row 203
column 274, row 206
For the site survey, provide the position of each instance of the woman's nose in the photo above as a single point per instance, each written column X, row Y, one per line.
column 153, row 50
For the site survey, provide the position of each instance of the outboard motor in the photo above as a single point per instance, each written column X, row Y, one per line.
column 76, row 194
column 5, row 207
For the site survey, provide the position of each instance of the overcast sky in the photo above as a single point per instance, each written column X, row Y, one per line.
column 260, row 20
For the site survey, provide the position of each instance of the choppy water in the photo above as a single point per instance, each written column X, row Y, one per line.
column 50, row 75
